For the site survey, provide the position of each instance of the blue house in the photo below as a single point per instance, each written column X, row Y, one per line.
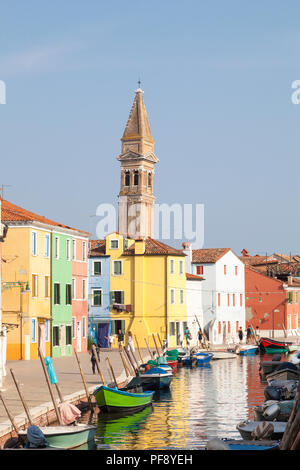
column 99, row 294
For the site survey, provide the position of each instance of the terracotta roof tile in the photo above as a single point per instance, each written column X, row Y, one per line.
column 193, row 277
column 13, row 213
column 97, row 248
column 208, row 255
column 155, row 247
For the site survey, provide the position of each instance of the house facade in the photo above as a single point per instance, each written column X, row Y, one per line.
column 99, row 317
column 194, row 305
column 223, row 291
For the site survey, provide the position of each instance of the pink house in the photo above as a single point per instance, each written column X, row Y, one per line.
column 80, row 293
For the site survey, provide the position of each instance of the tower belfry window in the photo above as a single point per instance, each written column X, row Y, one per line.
column 149, row 180
column 127, row 178
column 136, row 178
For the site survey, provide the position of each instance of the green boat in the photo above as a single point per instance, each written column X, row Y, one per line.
column 114, row 400
column 275, row 350
column 66, row 437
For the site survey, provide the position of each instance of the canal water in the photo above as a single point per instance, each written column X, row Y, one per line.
column 202, row 403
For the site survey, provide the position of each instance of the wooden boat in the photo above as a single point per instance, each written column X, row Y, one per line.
column 217, row 355
column 173, row 364
column 247, row 350
column 66, row 437
column 293, row 347
column 247, row 427
column 268, row 366
column 155, row 379
column 263, row 412
column 112, row 400
column 272, row 343
column 283, row 374
column 235, row 444
column 203, row 358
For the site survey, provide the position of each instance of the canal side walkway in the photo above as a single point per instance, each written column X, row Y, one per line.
column 33, row 385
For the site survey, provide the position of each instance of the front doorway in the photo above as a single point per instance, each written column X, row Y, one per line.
column 102, row 335
column 42, row 337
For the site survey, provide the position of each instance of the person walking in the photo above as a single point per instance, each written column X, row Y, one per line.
column 248, row 331
column 241, row 334
column 120, row 337
column 93, row 358
column 200, row 338
column 187, row 335
column 130, row 342
column 110, row 340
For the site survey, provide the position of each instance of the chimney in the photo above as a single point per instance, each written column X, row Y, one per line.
column 290, row 280
column 187, row 250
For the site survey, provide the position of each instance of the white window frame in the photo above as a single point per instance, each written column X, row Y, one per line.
column 172, row 266
column 97, row 289
column 56, row 247
column 73, row 288
column 181, row 270
column 83, row 251
column 117, row 261
column 172, row 294
column 113, row 240
column 73, row 249
column 84, row 290
column 83, row 327
column 181, row 293
column 33, row 341
column 68, row 248
column 34, row 244
column 47, row 245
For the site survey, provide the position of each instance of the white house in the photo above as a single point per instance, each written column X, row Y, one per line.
column 194, row 306
column 223, row 291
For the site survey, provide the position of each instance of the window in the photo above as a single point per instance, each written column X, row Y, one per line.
column 296, row 299
column 46, row 330
column 233, row 300
column 34, row 285
column 172, row 328
column 172, row 296
column 241, row 300
column 83, row 289
column 47, row 286
column 136, row 177
column 68, row 250
column 117, row 297
column 56, row 293
column 34, row 243
column 47, row 245
column 97, row 270
column 219, row 300
column 180, row 267
column 55, row 336
column 228, row 327
column 73, row 327
column 73, row 289
column 114, row 244
column 236, row 270
column 149, row 179
column 225, row 269
column 127, row 178
column 172, row 266
column 56, row 248
column 73, row 250
column 117, row 268
column 83, row 251
column 228, row 300
column 219, row 327
column 68, row 294
column 290, row 297
column 68, row 335
column 181, row 296
column 33, row 330
column 236, row 326
column 199, row 270
column 97, row 297
column 83, row 327
column 117, row 325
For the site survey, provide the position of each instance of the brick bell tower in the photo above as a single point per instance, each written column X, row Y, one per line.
column 136, row 198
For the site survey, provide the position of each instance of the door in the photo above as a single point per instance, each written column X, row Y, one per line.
column 63, row 339
column 178, row 335
column 78, row 334
column 27, row 347
column 103, row 331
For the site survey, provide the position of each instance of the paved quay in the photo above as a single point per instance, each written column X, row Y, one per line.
column 33, row 385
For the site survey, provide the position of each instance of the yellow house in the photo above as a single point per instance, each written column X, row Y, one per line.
column 147, row 289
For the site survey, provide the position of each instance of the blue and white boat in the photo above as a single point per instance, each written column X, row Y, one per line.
column 247, row 350
column 203, row 358
column 156, row 378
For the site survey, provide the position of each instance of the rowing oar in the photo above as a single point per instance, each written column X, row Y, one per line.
column 112, row 371
column 129, row 358
column 151, row 355
column 22, row 399
column 124, row 364
column 161, row 345
column 84, row 382
column 98, row 365
column 139, row 349
column 12, row 420
column 135, row 360
column 155, row 344
column 49, row 387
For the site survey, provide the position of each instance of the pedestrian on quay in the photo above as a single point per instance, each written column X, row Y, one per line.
column 187, row 335
column 93, row 358
column 130, row 342
column 241, row 334
column 200, row 338
column 120, row 337
column 110, row 340
column 257, row 333
column 249, row 334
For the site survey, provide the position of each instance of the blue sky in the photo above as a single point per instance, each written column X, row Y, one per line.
column 217, row 79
